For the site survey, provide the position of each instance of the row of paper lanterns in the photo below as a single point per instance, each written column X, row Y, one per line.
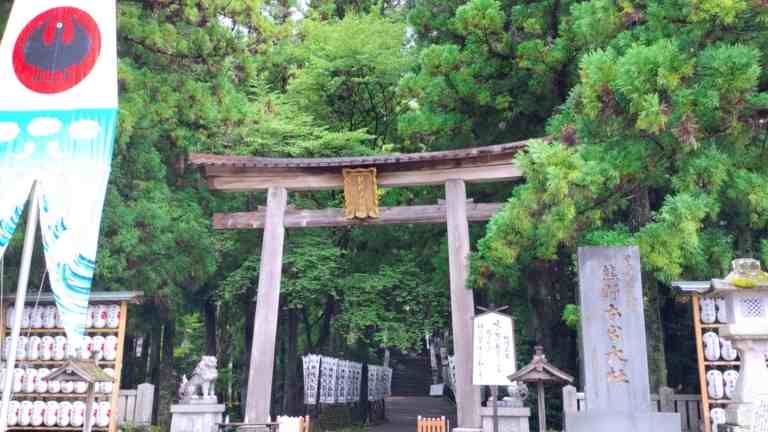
column 53, row 414
column 48, row 317
column 59, row 348
column 328, row 380
column 34, row 381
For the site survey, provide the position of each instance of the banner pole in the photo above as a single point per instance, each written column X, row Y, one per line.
column 21, row 294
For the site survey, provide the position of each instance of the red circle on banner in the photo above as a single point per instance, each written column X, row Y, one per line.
column 57, row 50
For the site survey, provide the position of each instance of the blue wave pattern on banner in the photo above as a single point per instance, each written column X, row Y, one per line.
column 8, row 227
column 69, row 153
column 46, row 138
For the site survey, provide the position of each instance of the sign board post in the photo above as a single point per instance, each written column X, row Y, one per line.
column 493, row 354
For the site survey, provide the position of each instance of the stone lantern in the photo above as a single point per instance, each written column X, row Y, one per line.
column 745, row 291
column 541, row 371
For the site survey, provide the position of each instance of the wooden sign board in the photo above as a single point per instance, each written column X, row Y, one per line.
column 437, row 389
column 494, row 349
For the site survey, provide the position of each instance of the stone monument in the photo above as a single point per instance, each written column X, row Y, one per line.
column 198, row 409
column 616, row 386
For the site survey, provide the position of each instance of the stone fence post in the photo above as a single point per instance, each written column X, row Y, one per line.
column 666, row 401
column 145, row 398
column 570, row 400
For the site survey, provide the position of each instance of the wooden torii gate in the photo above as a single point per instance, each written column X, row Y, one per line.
column 278, row 176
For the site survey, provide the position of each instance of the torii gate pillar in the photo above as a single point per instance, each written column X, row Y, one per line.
column 259, row 397
column 462, row 304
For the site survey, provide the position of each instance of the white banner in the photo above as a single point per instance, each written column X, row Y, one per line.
column 58, row 116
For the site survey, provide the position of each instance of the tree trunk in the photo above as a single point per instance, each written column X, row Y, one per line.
column 209, row 317
column 145, row 364
column 130, row 361
column 364, row 406
column 292, row 401
column 539, row 277
column 155, row 344
column 325, row 327
column 167, row 372
column 657, row 358
column 246, row 359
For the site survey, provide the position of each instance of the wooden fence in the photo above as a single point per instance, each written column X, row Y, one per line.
column 688, row 406
column 134, row 407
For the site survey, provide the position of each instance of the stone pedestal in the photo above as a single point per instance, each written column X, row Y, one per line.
column 467, row 430
column 196, row 417
column 510, row 419
column 752, row 385
column 611, row 421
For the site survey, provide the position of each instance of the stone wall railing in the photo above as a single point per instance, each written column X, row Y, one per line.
column 688, row 406
column 134, row 407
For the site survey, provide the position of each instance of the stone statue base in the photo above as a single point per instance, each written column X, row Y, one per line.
column 622, row 422
column 253, row 429
column 197, row 417
column 199, row 401
column 510, row 419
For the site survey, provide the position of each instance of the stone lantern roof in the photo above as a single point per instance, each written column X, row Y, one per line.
column 541, row 370
column 80, row 370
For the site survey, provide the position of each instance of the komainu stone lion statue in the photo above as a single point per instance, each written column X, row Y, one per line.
column 201, row 384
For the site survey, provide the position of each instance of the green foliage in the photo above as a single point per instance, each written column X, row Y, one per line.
column 559, row 193
column 190, row 346
column 133, row 428
column 665, row 106
column 281, row 128
column 495, row 68
column 572, row 316
column 595, row 22
column 618, row 235
column 5, row 9
column 390, row 306
column 347, row 73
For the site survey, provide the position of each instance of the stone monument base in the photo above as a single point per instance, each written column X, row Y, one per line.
column 510, row 419
column 740, row 414
column 467, row 430
column 622, row 422
column 196, row 417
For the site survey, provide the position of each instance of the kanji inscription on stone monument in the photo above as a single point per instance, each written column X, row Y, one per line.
column 617, row 360
column 614, row 335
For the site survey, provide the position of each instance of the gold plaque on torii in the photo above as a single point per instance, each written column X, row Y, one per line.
column 361, row 197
